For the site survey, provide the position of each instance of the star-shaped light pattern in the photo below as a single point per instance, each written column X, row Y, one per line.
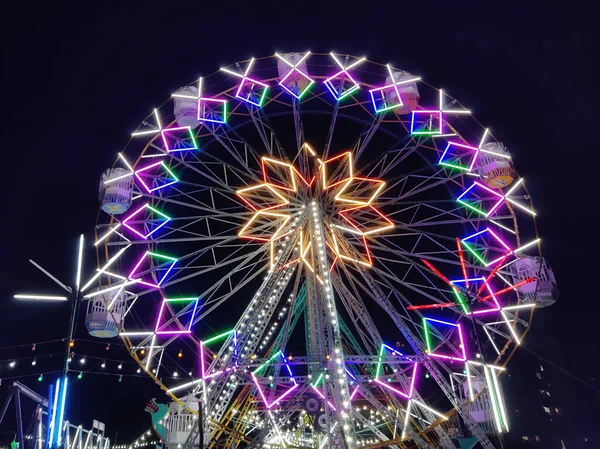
column 284, row 201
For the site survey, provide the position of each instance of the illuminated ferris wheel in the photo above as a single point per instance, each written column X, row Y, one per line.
column 349, row 255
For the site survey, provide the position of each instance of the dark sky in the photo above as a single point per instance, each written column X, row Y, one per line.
column 79, row 77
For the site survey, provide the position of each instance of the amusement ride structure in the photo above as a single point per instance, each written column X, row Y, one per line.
column 349, row 256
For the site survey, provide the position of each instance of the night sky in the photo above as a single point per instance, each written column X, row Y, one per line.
column 78, row 78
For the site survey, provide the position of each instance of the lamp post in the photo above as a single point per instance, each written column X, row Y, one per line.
column 57, row 400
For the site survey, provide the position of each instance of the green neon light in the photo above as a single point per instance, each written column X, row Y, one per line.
column 493, row 398
column 348, row 92
column 319, row 379
column 193, row 139
column 157, row 212
column 262, row 97
column 161, row 256
column 268, row 361
column 470, row 206
column 168, row 170
column 458, row 167
column 217, row 337
column 179, row 299
column 461, row 300
column 225, row 112
column 380, row 362
column 427, row 341
column 306, row 89
column 474, row 253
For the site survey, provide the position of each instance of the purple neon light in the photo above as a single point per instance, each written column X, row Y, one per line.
column 148, row 167
column 151, row 254
column 468, row 147
column 188, row 329
column 140, row 210
column 268, row 404
column 166, row 131
column 440, row 125
column 401, row 393
column 322, row 396
column 203, row 117
column 460, row 337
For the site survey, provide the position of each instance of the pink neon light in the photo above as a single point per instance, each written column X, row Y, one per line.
column 322, row 396
column 268, row 404
column 279, row 399
column 412, row 384
column 179, row 128
column 354, row 393
column 389, row 387
column 498, row 204
column 203, row 374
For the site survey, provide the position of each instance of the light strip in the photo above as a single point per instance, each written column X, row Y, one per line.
column 40, row 297
column 79, row 262
column 53, row 421
column 181, row 387
column 493, row 400
column 108, row 264
column 491, row 340
column 62, row 410
column 105, row 236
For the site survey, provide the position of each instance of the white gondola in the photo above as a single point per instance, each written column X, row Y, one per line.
column 409, row 92
column 543, row 289
column 102, row 323
column 115, row 194
column 494, row 165
column 180, row 420
column 186, row 109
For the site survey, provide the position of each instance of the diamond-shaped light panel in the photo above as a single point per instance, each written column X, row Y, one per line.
column 481, row 199
column 179, row 139
column 455, row 337
column 297, row 83
column 425, row 122
column 381, row 379
column 252, row 91
column 264, row 392
column 145, row 221
column 341, row 85
column 152, row 269
column 212, row 110
column 486, row 247
column 386, row 98
column 459, row 156
column 155, row 176
column 176, row 316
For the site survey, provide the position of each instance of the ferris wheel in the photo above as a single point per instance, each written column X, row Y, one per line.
column 351, row 258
